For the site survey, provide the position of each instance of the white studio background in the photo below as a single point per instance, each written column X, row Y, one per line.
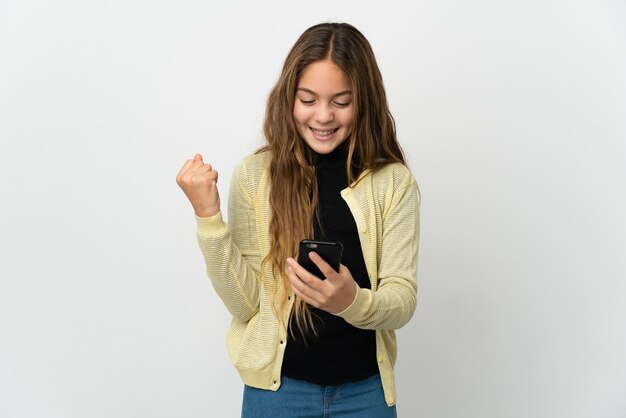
column 512, row 115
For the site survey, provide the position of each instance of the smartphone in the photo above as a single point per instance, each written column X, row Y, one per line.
column 329, row 251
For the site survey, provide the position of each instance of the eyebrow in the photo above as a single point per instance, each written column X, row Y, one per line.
column 341, row 93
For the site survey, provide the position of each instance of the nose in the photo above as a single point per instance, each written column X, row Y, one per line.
column 324, row 114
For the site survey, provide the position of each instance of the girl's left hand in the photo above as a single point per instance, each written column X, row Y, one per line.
column 333, row 295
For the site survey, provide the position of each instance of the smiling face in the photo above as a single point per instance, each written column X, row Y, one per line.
column 323, row 106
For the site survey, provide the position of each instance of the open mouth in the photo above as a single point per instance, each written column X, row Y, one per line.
column 323, row 133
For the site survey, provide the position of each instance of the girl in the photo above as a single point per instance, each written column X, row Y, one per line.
column 332, row 169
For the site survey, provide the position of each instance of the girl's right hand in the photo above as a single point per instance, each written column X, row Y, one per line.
column 199, row 182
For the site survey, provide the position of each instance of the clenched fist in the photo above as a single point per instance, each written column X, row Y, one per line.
column 199, row 182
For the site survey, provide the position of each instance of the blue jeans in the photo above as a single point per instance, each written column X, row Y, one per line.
column 301, row 399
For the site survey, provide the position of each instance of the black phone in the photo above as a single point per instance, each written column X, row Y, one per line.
column 329, row 251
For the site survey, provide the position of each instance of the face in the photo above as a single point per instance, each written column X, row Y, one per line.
column 323, row 106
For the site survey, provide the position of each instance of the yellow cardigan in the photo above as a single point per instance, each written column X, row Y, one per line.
column 385, row 206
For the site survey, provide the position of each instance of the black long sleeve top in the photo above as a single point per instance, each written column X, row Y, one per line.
column 340, row 353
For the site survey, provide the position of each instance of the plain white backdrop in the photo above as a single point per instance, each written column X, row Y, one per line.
column 512, row 115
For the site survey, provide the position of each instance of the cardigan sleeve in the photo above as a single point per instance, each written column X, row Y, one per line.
column 231, row 251
column 392, row 304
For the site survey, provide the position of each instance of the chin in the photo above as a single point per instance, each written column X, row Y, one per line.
column 323, row 147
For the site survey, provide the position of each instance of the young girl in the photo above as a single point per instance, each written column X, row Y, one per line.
column 332, row 170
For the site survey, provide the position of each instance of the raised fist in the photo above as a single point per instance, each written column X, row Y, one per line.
column 199, row 182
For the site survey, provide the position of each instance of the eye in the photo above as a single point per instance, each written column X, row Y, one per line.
column 306, row 102
column 343, row 104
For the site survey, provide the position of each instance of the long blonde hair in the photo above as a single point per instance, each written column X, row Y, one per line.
column 372, row 144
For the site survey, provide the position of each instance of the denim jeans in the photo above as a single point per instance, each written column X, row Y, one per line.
column 301, row 399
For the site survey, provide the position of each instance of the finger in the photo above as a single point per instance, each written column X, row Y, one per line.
column 301, row 289
column 324, row 267
column 306, row 282
column 213, row 177
column 197, row 157
column 202, row 169
column 184, row 168
column 305, row 276
column 210, row 177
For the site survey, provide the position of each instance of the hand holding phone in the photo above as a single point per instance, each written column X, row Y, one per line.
column 329, row 251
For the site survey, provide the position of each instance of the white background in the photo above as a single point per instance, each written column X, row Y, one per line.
column 512, row 115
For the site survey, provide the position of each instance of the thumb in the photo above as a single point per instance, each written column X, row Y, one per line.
column 197, row 157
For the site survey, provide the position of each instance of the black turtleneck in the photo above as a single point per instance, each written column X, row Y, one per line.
column 340, row 352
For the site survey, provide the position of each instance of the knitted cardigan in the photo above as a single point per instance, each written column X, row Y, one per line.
column 385, row 206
